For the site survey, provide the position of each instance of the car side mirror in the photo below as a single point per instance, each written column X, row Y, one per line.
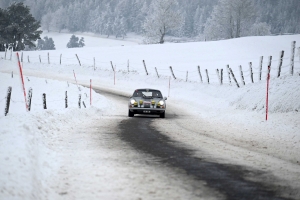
column 165, row 98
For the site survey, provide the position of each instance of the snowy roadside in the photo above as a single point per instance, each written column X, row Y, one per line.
column 236, row 114
column 231, row 115
column 74, row 153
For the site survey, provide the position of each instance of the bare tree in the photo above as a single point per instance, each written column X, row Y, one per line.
column 163, row 19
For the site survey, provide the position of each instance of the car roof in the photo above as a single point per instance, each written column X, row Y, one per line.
column 147, row 89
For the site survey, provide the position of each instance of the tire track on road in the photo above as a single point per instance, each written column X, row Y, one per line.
column 230, row 180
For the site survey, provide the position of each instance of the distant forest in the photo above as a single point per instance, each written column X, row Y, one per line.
column 199, row 17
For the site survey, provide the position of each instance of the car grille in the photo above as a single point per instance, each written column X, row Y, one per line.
column 146, row 105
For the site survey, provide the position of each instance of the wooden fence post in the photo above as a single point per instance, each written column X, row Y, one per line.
column 234, row 77
column 242, row 75
column 200, row 74
column 145, row 67
column 90, row 92
column 128, row 65
column 251, row 72
column 94, row 64
column 48, row 58
column 40, row 59
column 79, row 101
column 112, row 66
column 172, row 72
column 114, row 74
column 260, row 67
column 28, row 59
column 267, row 98
column 11, row 50
column 218, row 74
column 228, row 71
column 187, row 75
column 207, row 76
column 156, row 72
column 7, row 100
column 66, row 99
column 221, row 76
column 5, row 53
column 270, row 63
column 78, row 59
column 22, row 57
column 44, row 101
column 280, row 63
column 60, row 59
column 292, row 57
column 29, row 98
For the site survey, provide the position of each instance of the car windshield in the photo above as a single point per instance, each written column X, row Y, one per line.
column 147, row 93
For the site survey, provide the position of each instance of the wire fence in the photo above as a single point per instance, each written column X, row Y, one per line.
column 257, row 70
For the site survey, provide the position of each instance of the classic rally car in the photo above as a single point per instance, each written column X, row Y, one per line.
column 147, row 101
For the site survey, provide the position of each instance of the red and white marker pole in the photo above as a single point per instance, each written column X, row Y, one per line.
column 169, row 85
column 90, row 91
column 114, row 76
column 75, row 79
column 267, row 99
column 22, row 79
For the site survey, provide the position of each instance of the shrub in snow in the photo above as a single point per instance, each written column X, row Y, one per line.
column 75, row 42
column 46, row 44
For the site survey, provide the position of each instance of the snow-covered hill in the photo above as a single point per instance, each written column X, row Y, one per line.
column 26, row 137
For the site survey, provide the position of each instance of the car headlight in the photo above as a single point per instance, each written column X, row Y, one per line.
column 161, row 103
column 132, row 101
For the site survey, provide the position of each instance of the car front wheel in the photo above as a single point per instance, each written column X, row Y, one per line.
column 162, row 115
column 130, row 114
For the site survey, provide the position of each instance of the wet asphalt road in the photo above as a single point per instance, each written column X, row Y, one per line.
column 229, row 180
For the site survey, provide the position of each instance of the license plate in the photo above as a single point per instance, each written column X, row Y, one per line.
column 146, row 111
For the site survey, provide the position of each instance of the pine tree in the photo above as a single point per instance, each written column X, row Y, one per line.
column 4, row 22
column 81, row 42
column 73, row 43
column 19, row 27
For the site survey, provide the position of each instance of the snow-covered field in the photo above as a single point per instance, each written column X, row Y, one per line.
column 33, row 144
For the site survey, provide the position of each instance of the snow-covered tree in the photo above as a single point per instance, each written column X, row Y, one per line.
column 260, row 29
column 162, row 18
column 107, row 20
column 58, row 20
column 111, row 17
column 230, row 19
column 46, row 21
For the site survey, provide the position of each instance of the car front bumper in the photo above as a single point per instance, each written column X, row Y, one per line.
column 148, row 111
